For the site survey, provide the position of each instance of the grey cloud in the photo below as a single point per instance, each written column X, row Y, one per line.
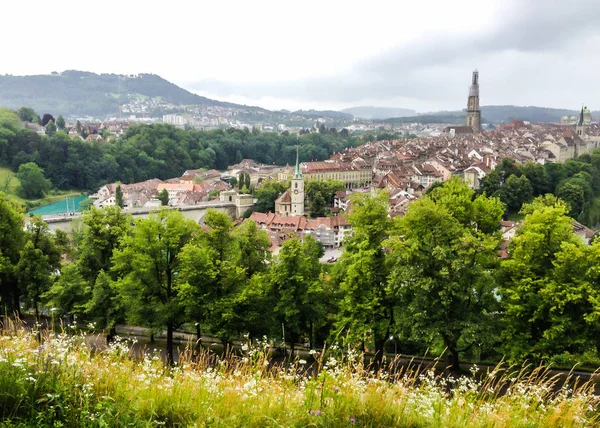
column 437, row 68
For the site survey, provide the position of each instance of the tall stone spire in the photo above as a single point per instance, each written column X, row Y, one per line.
column 473, row 118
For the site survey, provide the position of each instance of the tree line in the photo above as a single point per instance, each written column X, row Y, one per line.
column 152, row 151
column 576, row 181
column 432, row 279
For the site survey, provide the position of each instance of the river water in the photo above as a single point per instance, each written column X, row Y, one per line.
column 65, row 206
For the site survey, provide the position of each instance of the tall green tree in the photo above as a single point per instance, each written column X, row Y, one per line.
column 442, row 262
column 33, row 182
column 253, row 247
column 105, row 305
column 367, row 306
column 39, row 260
column 69, row 293
column 517, row 190
column 60, row 123
column 50, row 129
column 101, row 234
column 12, row 239
column 148, row 266
column 294, row 278
column 530, row 279
column 33, row 272
column 119, row 197
column 163, row 197
column 229, row 277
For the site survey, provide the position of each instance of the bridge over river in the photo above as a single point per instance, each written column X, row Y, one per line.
column 234, row 207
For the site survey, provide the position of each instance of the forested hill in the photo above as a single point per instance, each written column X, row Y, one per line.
column 83, row 93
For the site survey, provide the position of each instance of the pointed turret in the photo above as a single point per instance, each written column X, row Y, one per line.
column 580, row 122
column 297, row 172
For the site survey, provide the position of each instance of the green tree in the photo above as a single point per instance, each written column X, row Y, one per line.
column 253, row 247
column 106, row 306
column 267, row 193
column 441, row 266
column 148, row 266
column 163, row 197
column 50, row 129
column 33, row 182
column 516, row 192
column 39, row 259
column 573, row 194
column 33, row 272
column 367, row 306
column 69, row 293
column 8, row 119
column 491, row 184
column 294, row 278
column 101, row 234
column 28, row 114
column 229, row 278
column 119, row 197
column 320, row 194
column 12, row 239
column 538, row 177
column 60, row 123
column 543, row 243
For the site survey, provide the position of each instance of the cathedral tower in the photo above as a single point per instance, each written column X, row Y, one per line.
column 297, row 190
column 473, row 112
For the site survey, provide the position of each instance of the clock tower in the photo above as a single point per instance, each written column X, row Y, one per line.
column 297, row 190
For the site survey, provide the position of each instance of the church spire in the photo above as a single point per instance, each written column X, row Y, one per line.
column 297, row 172
column 580, row 123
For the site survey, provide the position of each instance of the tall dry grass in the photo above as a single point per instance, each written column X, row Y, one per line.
column 62, row 381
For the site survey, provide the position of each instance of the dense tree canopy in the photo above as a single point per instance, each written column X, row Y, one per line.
column 33, row 182
column 577, row 182
column 155, row 151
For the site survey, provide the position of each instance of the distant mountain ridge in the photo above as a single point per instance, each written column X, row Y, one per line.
column 493, row 114
column 83, row 93
column 369, row 112
column 507, row 113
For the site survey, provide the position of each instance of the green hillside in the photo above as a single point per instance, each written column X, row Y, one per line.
column 83, row 93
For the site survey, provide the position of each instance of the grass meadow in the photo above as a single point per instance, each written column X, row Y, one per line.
column 58, row 380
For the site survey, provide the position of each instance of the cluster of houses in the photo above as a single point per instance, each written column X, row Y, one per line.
column 403, row 167
column 192, row 187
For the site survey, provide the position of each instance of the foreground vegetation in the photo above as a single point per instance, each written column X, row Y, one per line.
column 62, row 381
column 432, row 279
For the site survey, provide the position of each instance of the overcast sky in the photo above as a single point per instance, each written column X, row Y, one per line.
column 323, row 54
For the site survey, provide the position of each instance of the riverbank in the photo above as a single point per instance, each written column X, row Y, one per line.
column 61, row 380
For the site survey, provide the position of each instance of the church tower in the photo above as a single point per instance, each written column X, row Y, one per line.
column 297, row 190
column 473, row 112
column 585, row 118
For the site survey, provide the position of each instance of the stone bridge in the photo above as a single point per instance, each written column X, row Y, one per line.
column 234, row 207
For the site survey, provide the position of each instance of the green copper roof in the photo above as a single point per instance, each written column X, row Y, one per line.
column 297, row 171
